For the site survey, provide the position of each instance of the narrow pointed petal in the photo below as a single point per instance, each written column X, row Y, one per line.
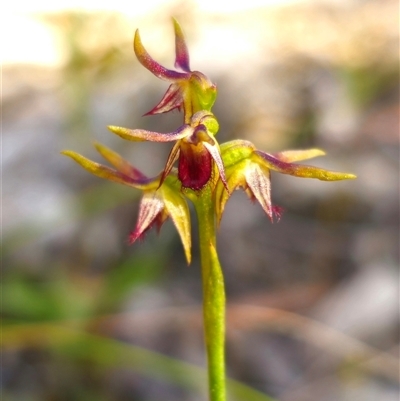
column 181, row 50
column 170, row 101
column 172, row 158
column 290, row 156
column 214, row 152
column 150, row 208
column 119, row 163
column 299, row 170
column 259, row 183
column 106, row 172
column 178, row 210
column 138, row 135
column 148, row 62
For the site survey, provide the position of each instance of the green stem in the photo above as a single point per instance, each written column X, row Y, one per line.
column 213, row 296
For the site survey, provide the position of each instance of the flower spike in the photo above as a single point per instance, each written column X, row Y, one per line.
column 206, row 174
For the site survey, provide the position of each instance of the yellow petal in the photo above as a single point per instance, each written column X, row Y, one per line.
column 139, row 135
column 101, row 171
column 321, row 174
column 299, row 170
column 297, row 155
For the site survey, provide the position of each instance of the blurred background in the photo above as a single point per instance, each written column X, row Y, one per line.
column 312, row 300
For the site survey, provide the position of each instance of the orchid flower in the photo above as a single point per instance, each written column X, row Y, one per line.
column 158, row 202
column 190, row 90
column 195, row 148
column 249, row 169
column 207, row 174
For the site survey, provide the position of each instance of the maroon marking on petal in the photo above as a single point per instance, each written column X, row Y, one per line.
column 136, row 235
column 195, row 166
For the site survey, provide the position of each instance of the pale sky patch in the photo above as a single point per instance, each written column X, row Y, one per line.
column 27, row 39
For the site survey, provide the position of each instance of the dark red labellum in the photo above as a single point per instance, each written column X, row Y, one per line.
column 195, row 166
